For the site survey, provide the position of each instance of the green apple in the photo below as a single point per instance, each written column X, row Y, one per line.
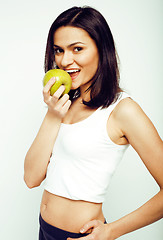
column 62, row 78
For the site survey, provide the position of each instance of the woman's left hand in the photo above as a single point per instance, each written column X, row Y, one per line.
column 100, row 231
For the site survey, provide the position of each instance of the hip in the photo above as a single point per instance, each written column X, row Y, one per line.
column 49, row 232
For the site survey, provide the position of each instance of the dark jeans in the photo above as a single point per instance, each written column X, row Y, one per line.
column 49, row 232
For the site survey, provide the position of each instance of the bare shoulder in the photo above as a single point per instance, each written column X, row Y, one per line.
column 132, row 120
column 128, row 110
column 127, row 106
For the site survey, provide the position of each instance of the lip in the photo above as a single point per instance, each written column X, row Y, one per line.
column 73, row 75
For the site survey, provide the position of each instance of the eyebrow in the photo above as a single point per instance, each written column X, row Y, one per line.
column 70, row 45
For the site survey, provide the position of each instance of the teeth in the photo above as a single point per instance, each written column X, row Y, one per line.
column 72, row 71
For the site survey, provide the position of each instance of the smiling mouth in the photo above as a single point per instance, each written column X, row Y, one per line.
column 73, row 73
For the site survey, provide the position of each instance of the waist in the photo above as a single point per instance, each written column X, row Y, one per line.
column 69, row 215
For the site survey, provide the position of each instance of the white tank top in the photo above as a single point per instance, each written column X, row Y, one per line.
column 84, row 158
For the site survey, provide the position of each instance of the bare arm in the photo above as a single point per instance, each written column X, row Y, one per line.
column 143, row 137
column 38, row 156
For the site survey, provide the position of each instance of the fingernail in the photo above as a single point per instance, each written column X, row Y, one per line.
column 82, row 230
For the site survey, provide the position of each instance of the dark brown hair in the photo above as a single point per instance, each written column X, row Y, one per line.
column 105, row 85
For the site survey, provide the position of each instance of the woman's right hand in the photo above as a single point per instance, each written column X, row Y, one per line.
column 57, row 105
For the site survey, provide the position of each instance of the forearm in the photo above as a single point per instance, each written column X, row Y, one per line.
column 38, row 156
column 150, row 212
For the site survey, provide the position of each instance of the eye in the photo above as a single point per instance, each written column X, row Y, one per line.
column 58, row 50
column 77, row 49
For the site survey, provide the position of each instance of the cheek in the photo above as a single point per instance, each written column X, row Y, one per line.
column 89, row 61
column 57, row 61
column 92, row 59
column 92, row 64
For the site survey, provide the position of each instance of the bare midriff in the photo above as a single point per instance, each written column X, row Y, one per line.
column 69, row 215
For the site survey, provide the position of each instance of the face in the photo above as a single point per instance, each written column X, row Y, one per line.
column 76, row 53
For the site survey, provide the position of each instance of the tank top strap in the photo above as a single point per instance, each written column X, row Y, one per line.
column 107, row 111
column 122, row 96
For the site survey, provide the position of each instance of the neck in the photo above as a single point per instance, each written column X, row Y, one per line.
column 84, row 94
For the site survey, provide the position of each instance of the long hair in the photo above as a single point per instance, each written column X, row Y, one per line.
column 105, row 85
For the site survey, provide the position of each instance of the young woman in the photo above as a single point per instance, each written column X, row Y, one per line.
column 86, row 134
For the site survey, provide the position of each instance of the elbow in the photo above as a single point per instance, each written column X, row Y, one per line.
column 29, row 183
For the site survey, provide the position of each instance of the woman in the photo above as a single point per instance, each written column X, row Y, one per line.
column 87, row 133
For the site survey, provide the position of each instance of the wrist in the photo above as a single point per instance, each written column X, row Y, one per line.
column 112, row 231
column 54, row 117
column 109, row 232
column 116, row 229
column 52, row 122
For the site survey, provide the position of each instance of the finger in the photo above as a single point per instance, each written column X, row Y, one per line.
column 47, row 87
column 63, row 104
column 49, row 84
column 87, row 226
column 63, row 100
column 66, row 106
column 59, row 92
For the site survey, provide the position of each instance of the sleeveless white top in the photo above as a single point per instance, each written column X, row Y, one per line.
column 84, row 158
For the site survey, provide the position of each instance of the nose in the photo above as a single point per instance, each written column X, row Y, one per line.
column 67, row 59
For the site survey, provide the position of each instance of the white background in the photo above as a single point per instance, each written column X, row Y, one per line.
column 137, row 29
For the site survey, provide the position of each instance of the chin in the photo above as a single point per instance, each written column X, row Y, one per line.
column 74, row 87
